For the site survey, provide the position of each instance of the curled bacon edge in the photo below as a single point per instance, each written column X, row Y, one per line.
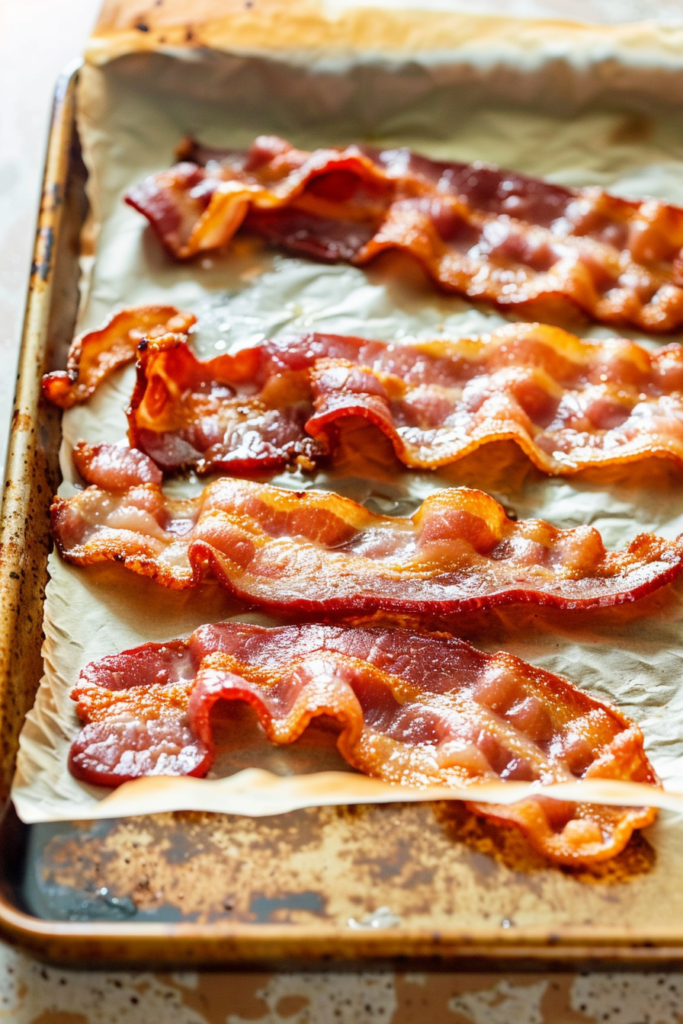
column 94, row 356
column 413, row 708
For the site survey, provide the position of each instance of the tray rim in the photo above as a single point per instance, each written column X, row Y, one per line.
column 93, row 944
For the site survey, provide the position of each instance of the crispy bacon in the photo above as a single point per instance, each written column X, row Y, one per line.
column 413, row 709
column 235, row 412
column 533, row 248
column 319, row 553
column 569, row 404
column 94, row 356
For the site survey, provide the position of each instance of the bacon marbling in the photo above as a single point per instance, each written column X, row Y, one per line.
column 323, row 554
column 536, row 249
column 413, row 709
column 94, row 356
column 569, row 404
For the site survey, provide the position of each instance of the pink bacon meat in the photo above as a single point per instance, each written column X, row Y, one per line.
column 569, row 404
column 320, row 553
column 412, row 709
column 532, row 248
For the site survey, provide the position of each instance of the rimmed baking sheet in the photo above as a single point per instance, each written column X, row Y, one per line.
column 130, row 119
column 309, row 883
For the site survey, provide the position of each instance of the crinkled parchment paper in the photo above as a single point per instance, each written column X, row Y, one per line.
column 132, row 114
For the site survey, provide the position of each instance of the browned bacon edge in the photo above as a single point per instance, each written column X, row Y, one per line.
column 413, row 708
column 94, row 356
column 569, row 404
column 534, row 249
column 318, row 553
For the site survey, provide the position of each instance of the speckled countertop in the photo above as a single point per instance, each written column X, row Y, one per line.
column 33, row 994
column 37, row 38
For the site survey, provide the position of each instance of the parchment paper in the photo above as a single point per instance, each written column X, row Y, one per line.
column 132, row 114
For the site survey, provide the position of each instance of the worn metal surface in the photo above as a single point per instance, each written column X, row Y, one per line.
column 309, row 885
column 32, row 470
column 331, row 865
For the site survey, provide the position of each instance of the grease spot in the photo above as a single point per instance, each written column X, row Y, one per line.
column 631, row 130
column 383, row 917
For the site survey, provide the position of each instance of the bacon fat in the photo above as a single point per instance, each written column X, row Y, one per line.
column 320, row 553
column 94, row 356
column 569, row 404
column 413, row 709
column 532, row 248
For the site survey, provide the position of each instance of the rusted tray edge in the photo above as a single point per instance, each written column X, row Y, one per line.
column 31, row 478
column 197, row 945
column 31, row 469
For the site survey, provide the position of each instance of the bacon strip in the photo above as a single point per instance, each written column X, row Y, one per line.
column 532, row 248
column 569, row 404
column 94, row 356
column 319, row 553
column 413, row 709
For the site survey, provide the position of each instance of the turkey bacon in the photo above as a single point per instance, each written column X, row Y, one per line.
column 317, row 552
column 533, row 248
column 412, row 708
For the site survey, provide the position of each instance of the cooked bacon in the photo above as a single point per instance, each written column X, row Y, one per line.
column 319, row 553
column 94, row 356
column 569, row 404
column 413, row 709
column 236, row 412
column 536, row 249
column 116, row 468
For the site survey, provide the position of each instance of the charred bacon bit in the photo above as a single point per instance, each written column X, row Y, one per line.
column 530, row 247
column 414, row 709
column 320, row 553
column 569, row 404
column 94, row 356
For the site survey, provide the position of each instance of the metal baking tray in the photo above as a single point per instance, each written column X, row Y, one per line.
column 200, row 889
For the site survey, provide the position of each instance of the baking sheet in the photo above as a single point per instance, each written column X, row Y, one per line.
column 632, row 655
